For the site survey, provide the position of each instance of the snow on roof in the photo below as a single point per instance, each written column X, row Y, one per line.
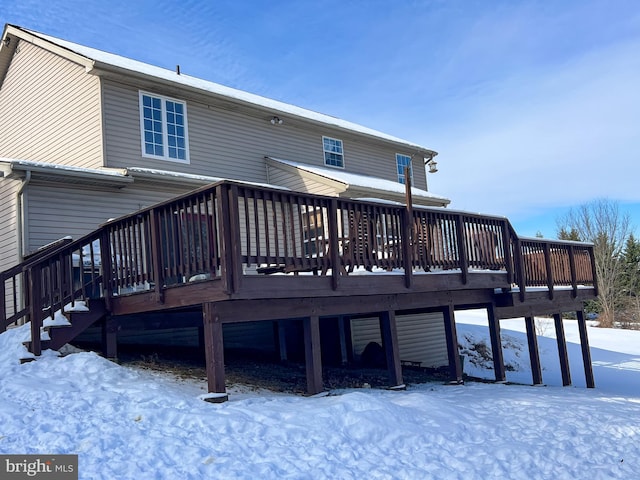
column 153, row 172
column 357, row 180
column 31, row 164
column 215, row 88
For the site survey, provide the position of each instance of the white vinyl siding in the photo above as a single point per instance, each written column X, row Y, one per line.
column 50, row 110
column 163, row 126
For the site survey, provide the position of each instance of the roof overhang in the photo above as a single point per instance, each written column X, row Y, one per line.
column 109, row 177
column 357, row 186
column 103, row 63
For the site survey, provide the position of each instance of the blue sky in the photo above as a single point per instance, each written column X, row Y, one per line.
column 533, row 106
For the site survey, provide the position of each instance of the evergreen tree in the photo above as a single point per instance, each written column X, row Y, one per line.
column 630, row 283
column 571, row 234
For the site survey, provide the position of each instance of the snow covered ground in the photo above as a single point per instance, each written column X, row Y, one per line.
column 135, row 424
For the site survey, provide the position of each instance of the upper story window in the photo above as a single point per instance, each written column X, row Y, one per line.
column 403, row 161
column 163, row 125
column 333, row 153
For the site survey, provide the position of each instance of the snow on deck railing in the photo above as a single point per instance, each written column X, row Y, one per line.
column 228, row 229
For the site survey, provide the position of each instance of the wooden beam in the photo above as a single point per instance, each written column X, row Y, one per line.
column 534, row 355
column 562, row 349
column 214, row 352
column 389, row 333
column 586, row 353
column 282, row 339
column 313, row 354
column 455, row 366
column 496, row 344
column 342, row 332
column 110, row 337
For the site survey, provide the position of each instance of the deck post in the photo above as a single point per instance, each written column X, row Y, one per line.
column 462, row 249
column 281, row 339
column 562, row 349
column 586, row 354
column 534, row 355
column 548, row 268
column 455, row 366
column 156, row 249
column 313, row 354
column 334, row 249
column 110, row 337
column 342, row 331
column 390, row 344
column 496, row 344
column 407, row 231
column 35, row 279
column 214, row 353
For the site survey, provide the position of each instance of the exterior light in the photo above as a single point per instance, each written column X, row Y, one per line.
column 276, row 121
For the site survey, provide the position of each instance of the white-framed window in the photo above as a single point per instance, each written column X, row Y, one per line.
column 163, row 127
column 333, row 152
column 403, row 161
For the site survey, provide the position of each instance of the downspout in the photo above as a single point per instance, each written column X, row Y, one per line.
column 21, row 233
column 21, row 215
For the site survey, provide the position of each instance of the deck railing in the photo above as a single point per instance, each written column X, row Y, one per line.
column 227, row 230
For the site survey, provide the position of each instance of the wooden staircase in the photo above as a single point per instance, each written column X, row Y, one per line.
column 56, row 336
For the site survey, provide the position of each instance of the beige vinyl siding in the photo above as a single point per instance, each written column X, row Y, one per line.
column 9, row 235
column 249, row 335
column 50, row 110
column 421, row 337
column 298, row 183
column 8, row 223
column 56, row 210
column 232, row 144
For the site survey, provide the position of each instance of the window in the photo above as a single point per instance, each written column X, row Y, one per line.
column 403, row 161
column 163, row 124
column 333, row 153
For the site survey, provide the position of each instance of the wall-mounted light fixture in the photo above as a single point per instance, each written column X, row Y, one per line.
column 432, row 164
column 276, row 121
column 7, row 41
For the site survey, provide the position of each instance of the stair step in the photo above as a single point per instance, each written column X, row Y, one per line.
column 79, row 321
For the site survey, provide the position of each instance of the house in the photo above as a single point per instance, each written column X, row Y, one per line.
column 259, row 212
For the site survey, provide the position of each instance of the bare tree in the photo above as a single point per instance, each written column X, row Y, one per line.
column 601, row 223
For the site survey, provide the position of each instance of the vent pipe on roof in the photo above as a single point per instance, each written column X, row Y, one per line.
column 178, row 69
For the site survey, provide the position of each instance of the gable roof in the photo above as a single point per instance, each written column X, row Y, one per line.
column 363, row 184
column 96, row 60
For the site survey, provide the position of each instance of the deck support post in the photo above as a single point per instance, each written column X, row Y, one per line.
column 562, row 349
column 534, row 355
column 214, row 354
column 451, row 334
column 586, row 354
column 281, row 340
column 110, row 337
column 342, row 331
column 496, row 344
column 313, row 354
column 390, row 344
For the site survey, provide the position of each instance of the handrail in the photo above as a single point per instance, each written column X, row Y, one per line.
column 228, row 229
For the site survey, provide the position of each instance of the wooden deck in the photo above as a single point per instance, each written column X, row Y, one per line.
column 243, row 253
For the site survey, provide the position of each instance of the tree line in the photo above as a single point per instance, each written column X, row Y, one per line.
column 617, row 259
